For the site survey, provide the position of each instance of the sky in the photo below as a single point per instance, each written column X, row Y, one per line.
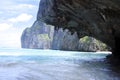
column 15, row 16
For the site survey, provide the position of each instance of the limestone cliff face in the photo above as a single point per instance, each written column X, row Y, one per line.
column 96, row 18
column 64, row 40
column 42, row 36
column 71, row 20
column 39, row 36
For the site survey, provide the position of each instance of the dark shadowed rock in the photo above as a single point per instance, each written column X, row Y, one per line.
column 96, row 18
column 72, row 19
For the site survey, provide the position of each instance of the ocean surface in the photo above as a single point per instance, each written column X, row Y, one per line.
column 31, row 64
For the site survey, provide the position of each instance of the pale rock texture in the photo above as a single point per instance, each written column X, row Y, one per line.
column 64, row 40
column 39, row 36
column 43, row 36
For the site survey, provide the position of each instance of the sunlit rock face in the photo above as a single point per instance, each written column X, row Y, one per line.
column 96, row 18
column 43, row 36
column 39, row 36
column 64, row 40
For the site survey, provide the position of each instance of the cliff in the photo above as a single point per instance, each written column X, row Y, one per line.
column 97, row 18
column 72, row 20
column 39, row 36
column 43, row 36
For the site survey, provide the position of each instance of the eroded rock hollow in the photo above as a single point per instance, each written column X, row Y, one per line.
column 97, row 18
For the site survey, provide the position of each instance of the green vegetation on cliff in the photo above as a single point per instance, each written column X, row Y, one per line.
column 43, row 37
column 90, row 40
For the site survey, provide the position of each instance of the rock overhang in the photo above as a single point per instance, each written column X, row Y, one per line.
column 96, row 18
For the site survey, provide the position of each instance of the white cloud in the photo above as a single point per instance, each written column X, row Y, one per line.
column 9, row 39
column 1, row 12
column 4, row 26
column 21, row 13
column 21, row 18
column 22, row 6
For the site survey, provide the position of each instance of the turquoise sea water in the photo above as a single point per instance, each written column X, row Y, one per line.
column 29, row 64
